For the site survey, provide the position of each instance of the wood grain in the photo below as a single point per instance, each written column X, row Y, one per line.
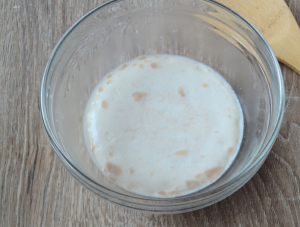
column 276, row 23
column 36, row 190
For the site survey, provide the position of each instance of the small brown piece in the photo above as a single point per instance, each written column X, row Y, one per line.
column 113, row 169
column 112, row 179
column 205, row 85
column 131, row 171
column 155, row 65
column 191, row 184
column 138, row 96
column 213, row 173
column 229, row 150
column 109, row 76
column 174, row 192
column 141, row 66
column 199, row 175
column 104, row 104
column 100, row 89
column 181, row 92
column 181, row 152
column 142, row 58
column 162, row 193
column 108, row 82
column 123, row 67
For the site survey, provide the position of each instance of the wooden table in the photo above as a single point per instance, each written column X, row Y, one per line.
column 36, row 190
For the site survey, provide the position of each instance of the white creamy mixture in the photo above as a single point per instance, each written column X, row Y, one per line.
column 163, row 126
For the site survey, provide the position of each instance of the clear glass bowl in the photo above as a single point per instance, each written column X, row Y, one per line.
column 122, row 30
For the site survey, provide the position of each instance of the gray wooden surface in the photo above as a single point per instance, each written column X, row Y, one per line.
column 36, row 190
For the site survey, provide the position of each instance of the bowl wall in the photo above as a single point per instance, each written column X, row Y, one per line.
column 122, row 30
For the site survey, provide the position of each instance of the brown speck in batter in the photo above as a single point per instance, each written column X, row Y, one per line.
column 151, row 174
column 123, row 67
column 216, row 131
column 181, row 152
column 162, row 193
column 108, row 82
column 209, row 70
column 156, row 57
column 180, row 91
column 155, row 65
column 205, row 85
column 229, row 116
column 141, row 66
column 93, row 147
column 111, row 154
column 134, row 64
column 100, row 89
column 138, row 96
column 199, row 175
column 190, row 118
column 113, row 169
column 142, row 58
column 146, row 61
column 191, row 184
column 213, row 173
column 174, row 192
column 112, row 179
column 104, row 104
column 229, row 150
column 131, row 171
column 109, row 76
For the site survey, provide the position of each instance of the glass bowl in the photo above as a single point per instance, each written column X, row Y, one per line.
column 122, row 30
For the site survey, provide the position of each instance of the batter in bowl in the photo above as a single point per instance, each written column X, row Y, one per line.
column 163, row 126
